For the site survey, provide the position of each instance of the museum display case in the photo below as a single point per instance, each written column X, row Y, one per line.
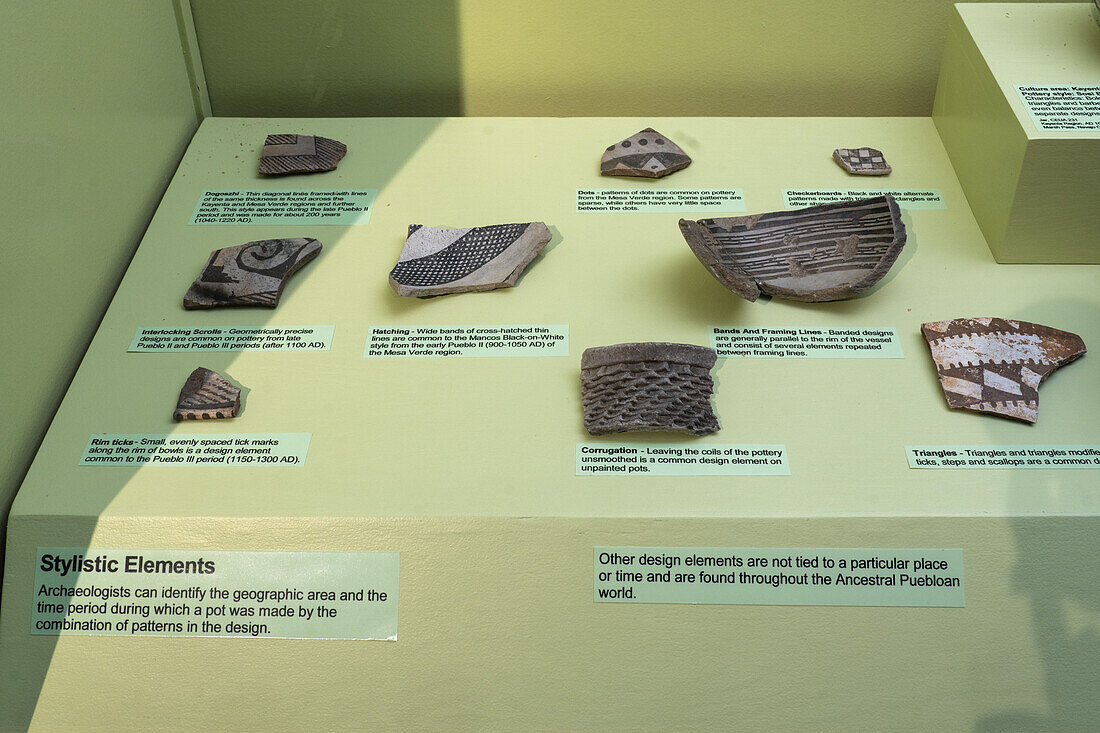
column 547, row 471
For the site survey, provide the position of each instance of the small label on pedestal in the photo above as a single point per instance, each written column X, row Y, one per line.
column 286, row 595
column 196, row 449
column 807, row 343
column 907, row 198
column 1062, row 107
column 775, row 576
column 634, row 200
column 313, row 208
column 152, row 339
column 1003, row 456
column 675, row 459
column 401, row 342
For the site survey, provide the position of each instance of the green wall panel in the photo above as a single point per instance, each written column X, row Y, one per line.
column 331, row 59
column 98, row 110
column 571, row 57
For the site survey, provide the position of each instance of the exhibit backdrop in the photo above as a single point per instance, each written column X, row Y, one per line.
column 348, row 58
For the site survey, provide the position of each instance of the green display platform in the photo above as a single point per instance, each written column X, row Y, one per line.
column 1031, row 181
column 466, row 466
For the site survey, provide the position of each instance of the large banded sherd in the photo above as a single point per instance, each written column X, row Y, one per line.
column 996, row 365
column 436, row 261
column 648, row 387
column 285, row 154
column 828, row 252
column 647, row 154
column 253, row 273
column 207, row 395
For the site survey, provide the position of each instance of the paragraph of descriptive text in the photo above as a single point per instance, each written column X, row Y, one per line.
column 1003, row 456
column 291, row 595
column 633, row 200
column 1062, row 107
column 191, row 449
column 435, row 341
column 232, row 338
column 807, row 343
column 793, row 576
column 907, row 198
column 341, row 208
column 650, row 459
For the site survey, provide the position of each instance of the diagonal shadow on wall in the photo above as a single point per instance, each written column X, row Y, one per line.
column 334, row 59
column 331, row 65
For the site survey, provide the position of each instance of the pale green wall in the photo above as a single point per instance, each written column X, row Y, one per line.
column 330, row 59
column 571, row 57
column 97, row 110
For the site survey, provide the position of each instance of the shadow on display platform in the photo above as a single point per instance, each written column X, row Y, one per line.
column 1054, row 569
column 236, row 158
